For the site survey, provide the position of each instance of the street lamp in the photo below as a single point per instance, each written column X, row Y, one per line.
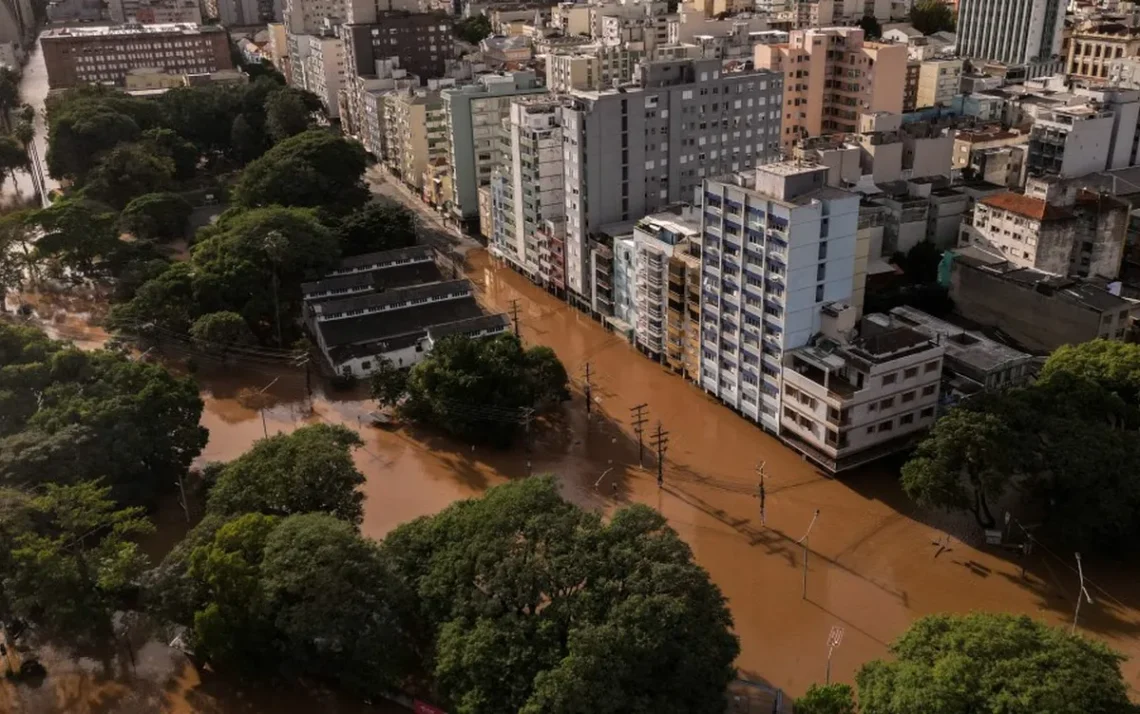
column 834, row 639
column 1083, row 591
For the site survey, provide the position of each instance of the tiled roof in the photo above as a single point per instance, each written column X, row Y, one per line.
column 1023, row 205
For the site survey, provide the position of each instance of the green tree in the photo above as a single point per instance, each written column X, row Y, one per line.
column 16, row 248
column 930, row 16
column 78, row 137
column 964, row 463
column 9, row 95
column 335, row 604
column 233, row 627
column 248, row 143
column 921, row 263
column 872, row 30
column 948, row 664
column 79, row 416
column 376, row 226
column 156, row 216
column 528, row 603
column 473, row 29
column 478, row 389
column 1112, row 364
column 78, row 233
column 389, row 383
column 166, row 142
column 308, row 471
column 166, row 303
column 12, row 158
column 220, row 331
column 830, row 699
column 285, row 114
column 76, row 563
column 312, row 169
column 128, row 171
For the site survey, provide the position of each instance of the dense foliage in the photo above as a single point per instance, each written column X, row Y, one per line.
column 250, row 262
column 156, row 216
column 930, row 16
column 527, row 603
column 828, row 699
column 948, row 664
column 375, row 227
column 1066, row 443
column 473, row 29
column 308, row 471
column 68, row 416
column 481, row 389
column 316, row 169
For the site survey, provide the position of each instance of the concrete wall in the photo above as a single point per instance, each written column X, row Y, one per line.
column 1037, row 321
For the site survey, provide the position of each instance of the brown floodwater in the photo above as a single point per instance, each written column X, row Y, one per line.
column 875, row 563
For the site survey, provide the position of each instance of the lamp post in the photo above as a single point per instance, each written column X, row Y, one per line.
column 834, row 639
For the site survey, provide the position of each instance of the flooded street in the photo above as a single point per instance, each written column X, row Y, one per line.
column 33, row 91
column 874, row 562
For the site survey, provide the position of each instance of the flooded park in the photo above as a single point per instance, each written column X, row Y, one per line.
column 874, row 562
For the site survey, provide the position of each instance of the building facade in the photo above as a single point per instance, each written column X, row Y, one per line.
column 1013, row 32
column 630, row 151
column 938, row 82
column 779, row 244
column 105, row 55
column 831, row 77
column 324, row 71
column 1094, row 46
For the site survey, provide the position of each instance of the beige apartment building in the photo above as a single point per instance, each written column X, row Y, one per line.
column 938, row 81
column 415, row 129
column 831, row 77
column 1094, row 46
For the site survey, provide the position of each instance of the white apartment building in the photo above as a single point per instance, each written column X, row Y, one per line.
column 324, row 71
column 779, row 245
column 857, row 394
column 527, row 189
column 1014, row 32
column 666, row 250
column 938, row 81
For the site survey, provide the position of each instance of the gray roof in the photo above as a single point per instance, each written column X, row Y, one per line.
column 383, row 326
column 374, row 301
column 390, row 278
column 971, row 348
column 472, row 324
column 383, row 258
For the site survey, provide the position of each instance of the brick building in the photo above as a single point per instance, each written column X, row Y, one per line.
column 105, row 55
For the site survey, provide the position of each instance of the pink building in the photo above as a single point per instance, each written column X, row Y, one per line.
column 831, row 76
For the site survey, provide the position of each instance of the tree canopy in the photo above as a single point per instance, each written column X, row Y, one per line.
column 478, row 389
column 68, row 416
column 1066, row 444
column 528, row 603
column 473, row 29
column 308, row 471
column 312, row 169
column 377, row 226
column 829, row 699
column 872, row 30
column 930, row 16
column 948, row 664
column 156, row 216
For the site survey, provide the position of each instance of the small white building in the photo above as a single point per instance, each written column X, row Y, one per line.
column 856, row 395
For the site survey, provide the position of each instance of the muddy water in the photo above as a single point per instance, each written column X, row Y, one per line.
column 874, row 564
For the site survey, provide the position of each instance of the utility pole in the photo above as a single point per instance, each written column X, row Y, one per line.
column 588, row 397
column 760, row 487
column 638, row 419
column 515, row 315
column 660, row 443
column 273, row 250
column 182, row 490
column 1082, row 591
column 804, row 541
column 527, row 416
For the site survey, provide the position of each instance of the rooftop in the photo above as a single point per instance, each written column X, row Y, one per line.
column 1022, row 205
column 375, row 301
column 385, row 257
column 129, row 29
column 389, row 278
column 471, row 324
column 972, row 349
column 383, row 326
column 1089, row 294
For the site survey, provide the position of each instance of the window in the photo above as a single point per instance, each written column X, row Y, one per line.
column 366, row 364
column 930, row 367
column 888, row 403
column 886, row 426
column 870, row 430
column 889, row 378
column 819, row 293
column 908, row 397
column 906, row 419
column 926, row 413
column 928, row 390
column 910, row 373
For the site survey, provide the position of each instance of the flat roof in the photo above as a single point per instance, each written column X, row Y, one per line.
column 967, row 346
column 128, row 30
column 1077, row 291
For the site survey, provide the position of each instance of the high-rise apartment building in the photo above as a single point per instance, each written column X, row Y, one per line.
column 831, row 76
column 938, row 81
column 415, row 129
column 631, row 150
column 475, row 114
column 527, row 189
column 105, row 55
column 324, row 70
column 1013, row 32
column 421, row 42
column 779, row 245
column 16, row 22
column 239, row 13
column 155, row 11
